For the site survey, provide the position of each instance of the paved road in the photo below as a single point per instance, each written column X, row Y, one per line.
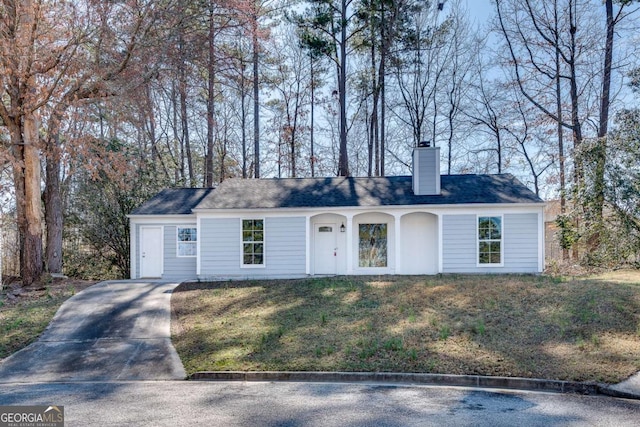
column 110, row 331
column 189, row 403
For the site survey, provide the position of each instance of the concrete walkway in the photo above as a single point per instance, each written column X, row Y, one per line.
column 110, row 331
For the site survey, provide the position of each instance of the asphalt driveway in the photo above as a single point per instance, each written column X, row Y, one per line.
column 112, row 331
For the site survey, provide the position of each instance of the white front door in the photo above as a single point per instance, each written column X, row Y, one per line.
column 325, row 250
column 151, row 251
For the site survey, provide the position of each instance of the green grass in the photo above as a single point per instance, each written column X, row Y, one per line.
column 571, row 329
column 23, row 319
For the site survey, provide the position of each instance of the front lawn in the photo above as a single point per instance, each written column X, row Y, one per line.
column 26, row 312
column 585, row 329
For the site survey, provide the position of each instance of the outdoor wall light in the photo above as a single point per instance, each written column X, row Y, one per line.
column 342, row 228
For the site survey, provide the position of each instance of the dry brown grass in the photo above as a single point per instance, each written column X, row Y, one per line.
column 585, row 329
column 26, row 312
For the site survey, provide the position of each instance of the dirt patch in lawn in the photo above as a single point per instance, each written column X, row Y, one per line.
column 585, row 329
column 26, row 311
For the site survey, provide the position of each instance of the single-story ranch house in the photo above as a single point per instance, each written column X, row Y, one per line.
column 279, row 228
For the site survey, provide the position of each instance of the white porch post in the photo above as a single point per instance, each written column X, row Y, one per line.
column 440, row 243
column 398, row 242
column 350, row 233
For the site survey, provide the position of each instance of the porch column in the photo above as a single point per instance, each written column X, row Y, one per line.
column 398, row 242
column 350, row 233
column 440, row 244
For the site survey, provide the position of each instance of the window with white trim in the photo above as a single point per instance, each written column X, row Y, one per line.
column 187, row 241
column 490, row 240
column 372, row 245
column 253, row 242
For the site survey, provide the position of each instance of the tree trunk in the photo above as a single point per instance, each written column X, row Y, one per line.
column 186, row 142
column 381, row 74
column 381, row 70
column 343, row 160
column 208, row 165
column 372, row 117
column 596, row 219
column 180, row 176
column 313, row 89
column 244, row 126
column 294, row 130
column 573, row 93
column 184, row 123
column 292, row 153
column 18, row 180
column 560, row 131
column 223, row 155
column 606, row 75
column 53, row 206
column 256, row 93
column 28, row 198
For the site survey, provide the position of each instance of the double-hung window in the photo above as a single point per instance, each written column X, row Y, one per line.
column 187, row 241
column 490, row 240
column 253, row 242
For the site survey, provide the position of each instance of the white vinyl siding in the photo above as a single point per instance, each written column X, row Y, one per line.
column 459, row 244
column 519, row 240
column 219, row 252
column 284, row 248
column 176, row 267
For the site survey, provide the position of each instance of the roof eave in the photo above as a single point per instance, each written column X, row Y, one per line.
column 354, row 207
column 164, row 215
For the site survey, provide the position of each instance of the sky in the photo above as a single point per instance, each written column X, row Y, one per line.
column 479, row 10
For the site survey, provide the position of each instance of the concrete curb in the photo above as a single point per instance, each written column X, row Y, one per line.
column 612, row 392
column 512, row 383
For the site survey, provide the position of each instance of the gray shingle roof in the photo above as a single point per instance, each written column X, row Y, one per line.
column 173, row 201
column 239, row 193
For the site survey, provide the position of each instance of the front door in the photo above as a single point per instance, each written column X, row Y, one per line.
column 150, row 251
column 325, row 249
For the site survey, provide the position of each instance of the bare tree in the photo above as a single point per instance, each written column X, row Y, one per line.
column 329, row 28
column 289, row 79
column 418, row 65
column 596, row 210
column 47, row 65
column 487, row 113
column 541, row 47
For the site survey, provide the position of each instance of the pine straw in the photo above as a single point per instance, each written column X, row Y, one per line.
column 584, row 329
